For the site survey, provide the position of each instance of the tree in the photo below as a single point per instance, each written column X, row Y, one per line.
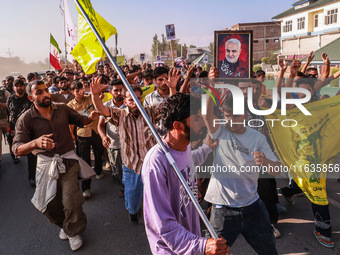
column 155, row 45
column 162, row 45
column 211, row 47
column 185, row 50
column 272, row 60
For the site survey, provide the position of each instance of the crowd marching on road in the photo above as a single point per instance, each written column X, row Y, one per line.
column 60, row 120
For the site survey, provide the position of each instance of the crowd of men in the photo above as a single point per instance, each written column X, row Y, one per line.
column 58, row 119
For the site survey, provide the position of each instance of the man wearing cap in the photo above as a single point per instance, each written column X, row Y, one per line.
column 64, row 95
column 17, row 104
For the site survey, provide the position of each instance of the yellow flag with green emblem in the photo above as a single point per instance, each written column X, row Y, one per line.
column 309, row 149
column 88, row 50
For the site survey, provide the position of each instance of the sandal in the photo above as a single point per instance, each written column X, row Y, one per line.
column 325, row 241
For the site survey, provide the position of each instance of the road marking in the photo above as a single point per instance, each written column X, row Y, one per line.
column 295, row 221
column 302, row 253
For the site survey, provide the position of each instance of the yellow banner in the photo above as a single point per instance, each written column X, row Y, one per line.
column 120, row 60
column 88, row 50
column 309, row 148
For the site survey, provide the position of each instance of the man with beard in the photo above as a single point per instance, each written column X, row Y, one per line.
column 109, row 134
column 171, row 221
column 9, row 84
column 162, row 93
column 64, row 95
column 17, row 104
column 231, row 66
column 44, row 130
column 69, row 76
column 135, row 137
column 87, row 136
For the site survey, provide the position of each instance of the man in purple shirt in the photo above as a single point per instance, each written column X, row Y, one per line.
column 171, row 221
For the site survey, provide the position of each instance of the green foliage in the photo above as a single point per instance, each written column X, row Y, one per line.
column 256, row 68
column 211, row 47
column 334, row 83
column 272, row 60
column 159, row 46
column 265, row 60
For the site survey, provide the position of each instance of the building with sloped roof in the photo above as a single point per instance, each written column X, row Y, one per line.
column 308, row 26
column 332, row 50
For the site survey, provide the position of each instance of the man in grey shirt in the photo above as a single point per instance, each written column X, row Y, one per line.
column 237, row 208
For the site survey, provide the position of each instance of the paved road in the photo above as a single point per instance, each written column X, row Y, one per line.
column 24, row 230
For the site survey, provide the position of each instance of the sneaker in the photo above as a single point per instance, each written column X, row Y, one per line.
column 280, row 209
column 75, row 242
column 87, row 193
column 290, row 200
column 62, row 235
column 99, row 176
column 276, row 232
column 134, row 218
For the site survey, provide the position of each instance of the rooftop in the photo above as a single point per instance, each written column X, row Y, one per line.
column 307, row 4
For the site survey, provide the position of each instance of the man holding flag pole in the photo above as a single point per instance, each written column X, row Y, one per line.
column 102, row 34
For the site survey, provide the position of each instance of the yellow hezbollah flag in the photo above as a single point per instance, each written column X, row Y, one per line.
column 88, row 50
column 120, row 60
column 147, row 90
column 309, row 148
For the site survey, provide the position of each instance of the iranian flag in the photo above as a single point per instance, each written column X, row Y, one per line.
column 54, row 54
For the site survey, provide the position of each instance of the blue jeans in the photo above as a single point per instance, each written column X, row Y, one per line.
column 251, row 221
column 133, row 192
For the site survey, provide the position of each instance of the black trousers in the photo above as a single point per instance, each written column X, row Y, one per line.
column 322, row 218
column 84, row 151
column 32, row 165
column 268, row 194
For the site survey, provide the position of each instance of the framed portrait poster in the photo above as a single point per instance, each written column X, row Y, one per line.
column 142, row 57
column 170, row 32
column 234, row 53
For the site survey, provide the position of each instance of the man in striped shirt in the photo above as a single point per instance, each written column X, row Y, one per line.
column 135, row 137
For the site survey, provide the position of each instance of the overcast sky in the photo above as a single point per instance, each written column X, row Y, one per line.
column 27, row 24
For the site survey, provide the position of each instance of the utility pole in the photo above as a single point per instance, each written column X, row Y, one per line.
column 9, row 52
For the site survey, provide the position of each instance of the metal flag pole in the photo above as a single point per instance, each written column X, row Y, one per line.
column 146, row 117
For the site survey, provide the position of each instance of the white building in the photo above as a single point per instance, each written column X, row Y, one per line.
column 308, row 26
